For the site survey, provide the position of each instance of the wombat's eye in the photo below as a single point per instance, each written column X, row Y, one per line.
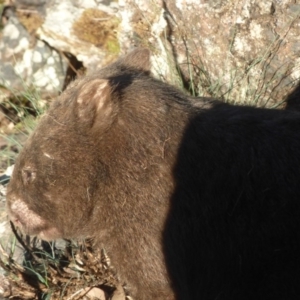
column 28, row 176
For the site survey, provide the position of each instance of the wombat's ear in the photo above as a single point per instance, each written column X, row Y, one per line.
column 139, row 59
column 93, row 100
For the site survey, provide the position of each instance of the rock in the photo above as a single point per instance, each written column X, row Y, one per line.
column 25, row 61
column 87, row 30
column 246, row 52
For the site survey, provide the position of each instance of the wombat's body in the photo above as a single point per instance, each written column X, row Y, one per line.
column 203, row 197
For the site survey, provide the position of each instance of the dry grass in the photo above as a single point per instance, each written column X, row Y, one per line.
column 75, row 272
column 20, row 112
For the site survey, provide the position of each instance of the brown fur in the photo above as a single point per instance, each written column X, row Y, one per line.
column 159, row 181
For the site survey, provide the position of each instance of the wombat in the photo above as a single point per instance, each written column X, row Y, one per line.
column 192, row 198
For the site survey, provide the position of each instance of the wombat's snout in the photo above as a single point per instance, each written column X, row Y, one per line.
column 17, row 209
column 21, row 215
column 15, row 218
column 27, row 220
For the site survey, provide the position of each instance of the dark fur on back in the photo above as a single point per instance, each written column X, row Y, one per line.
column 237, row 197
column 196, row 197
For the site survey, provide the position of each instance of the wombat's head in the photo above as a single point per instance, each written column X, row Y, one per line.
column 71, row 153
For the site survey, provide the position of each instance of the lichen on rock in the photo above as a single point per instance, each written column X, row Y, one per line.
column 98, row 28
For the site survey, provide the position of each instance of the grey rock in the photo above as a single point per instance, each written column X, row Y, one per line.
column 25, row 61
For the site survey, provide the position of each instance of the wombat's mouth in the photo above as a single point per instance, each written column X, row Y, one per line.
column 44, row 233
column 49, row 234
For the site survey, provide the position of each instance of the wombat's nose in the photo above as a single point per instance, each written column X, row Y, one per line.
column 15, row 219
column 13, row 208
